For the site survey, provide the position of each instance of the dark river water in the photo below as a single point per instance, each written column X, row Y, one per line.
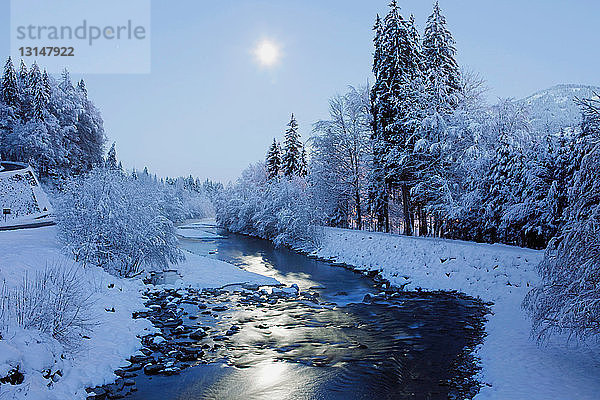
column 414, row 346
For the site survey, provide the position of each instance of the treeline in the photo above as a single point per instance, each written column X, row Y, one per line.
column 421, row 152
column 51, row 124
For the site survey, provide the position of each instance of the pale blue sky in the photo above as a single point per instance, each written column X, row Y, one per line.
column 208, row 109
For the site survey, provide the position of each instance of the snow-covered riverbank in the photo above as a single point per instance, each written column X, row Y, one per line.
column 514, row 367
column 115, row 335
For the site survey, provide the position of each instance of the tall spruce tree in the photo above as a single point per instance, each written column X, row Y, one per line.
column 23, row 73
column 292, row 148
column 37, row 92
column 378, row 191
column 441, row 69
column 10, row 88
column 273, row 160
column 393, row 97
column 82, row 88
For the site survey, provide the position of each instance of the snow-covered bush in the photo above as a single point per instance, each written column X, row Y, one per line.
column 113, row 220
column 277, row 210
column 53, row 301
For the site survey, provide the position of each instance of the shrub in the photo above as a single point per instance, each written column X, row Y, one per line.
column 277, row 210
column 55, row 301
column 116, row 221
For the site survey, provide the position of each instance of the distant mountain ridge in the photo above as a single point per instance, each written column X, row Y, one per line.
column 553, row 109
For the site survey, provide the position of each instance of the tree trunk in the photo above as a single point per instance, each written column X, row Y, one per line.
column 358, row 208
column 423, row 231
column 386, row 212
column 406, row 210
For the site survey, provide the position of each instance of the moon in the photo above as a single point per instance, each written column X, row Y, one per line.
column 267, row 53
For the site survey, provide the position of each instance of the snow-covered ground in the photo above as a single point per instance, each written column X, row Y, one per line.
column 114, row 337
column 514, row 366
column 192, row 232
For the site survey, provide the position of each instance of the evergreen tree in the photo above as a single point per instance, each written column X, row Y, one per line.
column 10, row 89
column 25, row 109
column 82, row 88
column 499, row 182
column 65, row 81
column 377, row 189
column 23, row 73
column 292, row 149
column 37, row 92
column 397, row 71
column 46, row 89
column 111, row 158
column 441, row 69
column 273, row 161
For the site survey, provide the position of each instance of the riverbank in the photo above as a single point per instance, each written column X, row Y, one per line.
column 48, row 369
column 513, row 365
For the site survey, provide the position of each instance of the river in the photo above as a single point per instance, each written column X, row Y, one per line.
column 410, row 346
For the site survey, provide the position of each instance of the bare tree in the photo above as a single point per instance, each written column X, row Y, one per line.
column 340, row 146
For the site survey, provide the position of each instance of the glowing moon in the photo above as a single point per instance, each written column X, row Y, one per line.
column 267, row 53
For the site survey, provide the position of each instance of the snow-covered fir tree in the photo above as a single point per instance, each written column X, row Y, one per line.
column 377, row 189
column 23, row 72
column 397, row 69
column 10, row 88
column 273, row 160
column 81, row 87
column 38, row 93
column 111, row 157
column 504, row 177
column 292, row 149
column 441, row 69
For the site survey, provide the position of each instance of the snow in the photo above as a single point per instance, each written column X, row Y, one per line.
column 202, row 272
column 115, row 336
column 112, row 340
column 513, row 365
column 189, row 232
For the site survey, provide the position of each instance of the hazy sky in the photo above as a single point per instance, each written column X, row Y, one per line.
column 209, row 109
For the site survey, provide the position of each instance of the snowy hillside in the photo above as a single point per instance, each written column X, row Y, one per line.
column 514, row 367
column 555, row 108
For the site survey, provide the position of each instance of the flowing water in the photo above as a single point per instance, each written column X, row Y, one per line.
column 410, row 346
